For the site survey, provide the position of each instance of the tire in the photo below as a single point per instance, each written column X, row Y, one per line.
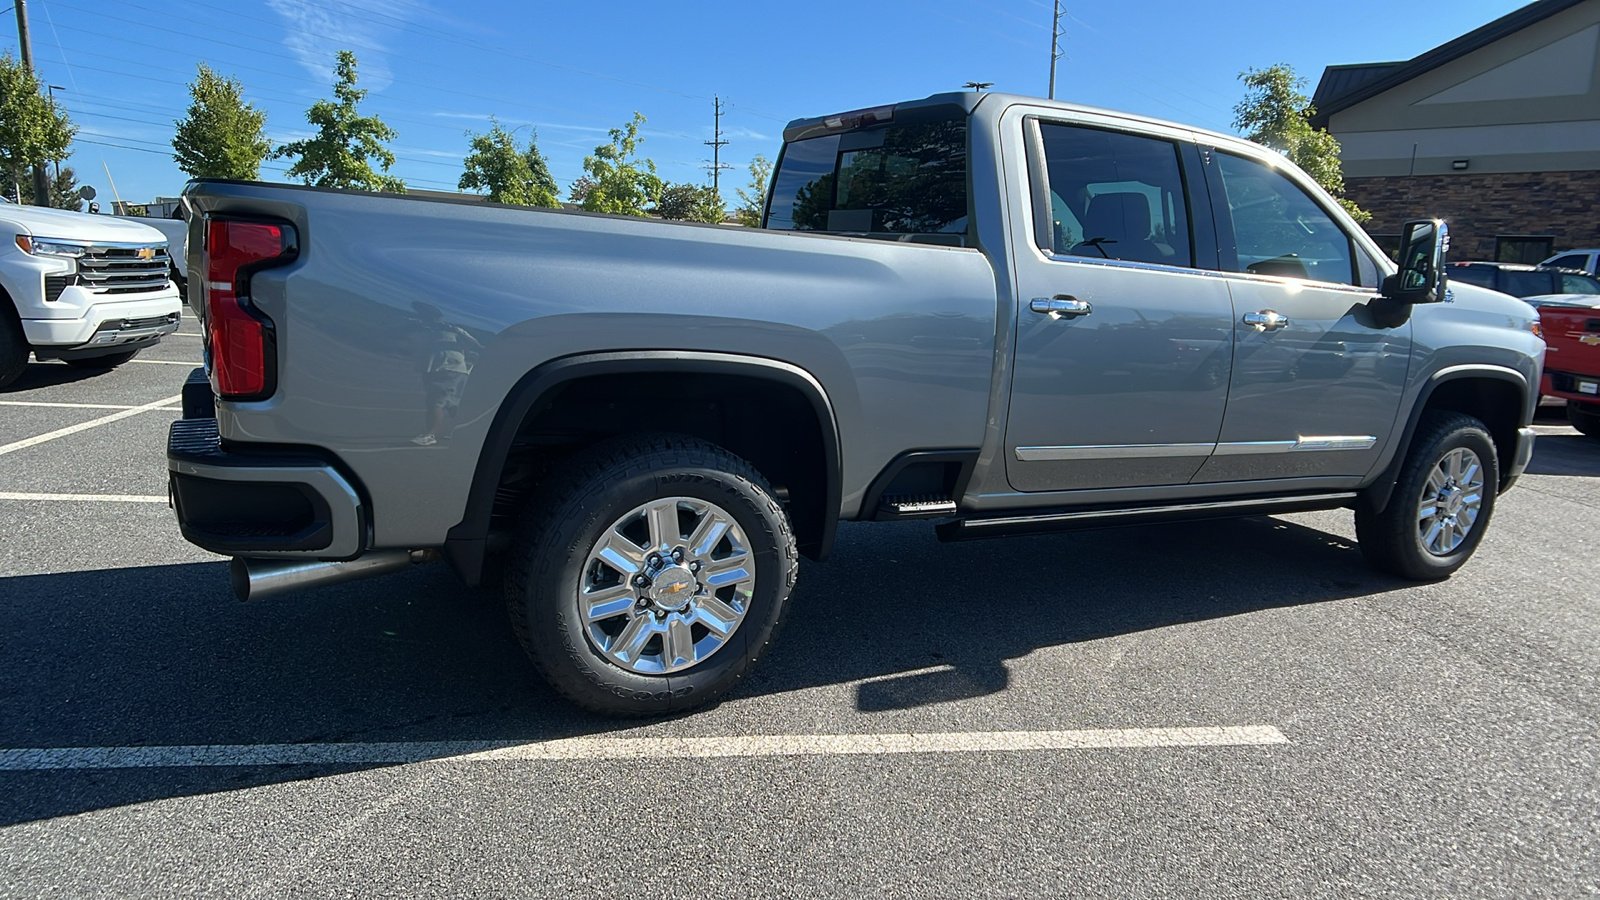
column 598, row 503
column 1585, row 417
column 13, row 345
column 1422, row 541
column 102, row 363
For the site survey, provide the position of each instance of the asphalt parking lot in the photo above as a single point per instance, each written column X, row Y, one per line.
column 1235, row 708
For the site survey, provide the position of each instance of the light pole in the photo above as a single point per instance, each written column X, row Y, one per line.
column 52, row 88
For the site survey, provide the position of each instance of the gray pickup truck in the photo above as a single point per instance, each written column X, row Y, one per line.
column 1005, row 314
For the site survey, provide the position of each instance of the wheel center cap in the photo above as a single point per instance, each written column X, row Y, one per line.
column 673, row 587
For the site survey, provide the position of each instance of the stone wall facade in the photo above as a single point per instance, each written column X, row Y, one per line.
column 1564, row 205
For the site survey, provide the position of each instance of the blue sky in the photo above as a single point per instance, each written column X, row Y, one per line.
column 438, row 68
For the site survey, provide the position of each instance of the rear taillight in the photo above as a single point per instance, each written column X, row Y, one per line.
column 241, row 338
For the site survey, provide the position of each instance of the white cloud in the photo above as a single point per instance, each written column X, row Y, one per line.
column 317, row 32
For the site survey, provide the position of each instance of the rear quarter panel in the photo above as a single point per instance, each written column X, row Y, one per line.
column 900, row 336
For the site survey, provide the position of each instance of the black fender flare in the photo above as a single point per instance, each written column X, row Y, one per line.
column 1376, row 496
column 466, row 543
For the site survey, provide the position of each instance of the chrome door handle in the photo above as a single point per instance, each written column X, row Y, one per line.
column 1266, row 320
column 1061, row 306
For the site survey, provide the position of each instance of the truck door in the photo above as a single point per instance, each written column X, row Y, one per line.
column 1124, row 341
column 1317, row 377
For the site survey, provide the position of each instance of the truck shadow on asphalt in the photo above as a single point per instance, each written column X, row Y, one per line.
column 42, row 375
column 1566, row 454
column 162, row 655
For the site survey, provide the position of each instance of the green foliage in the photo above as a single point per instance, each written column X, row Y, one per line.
column 341, row 153
column 691, row 202
column 508, row 175
column 619, row 182
column 63, row 189
column 1276, row 112
column 33, row 129
column 221, row 135
column 753, row 198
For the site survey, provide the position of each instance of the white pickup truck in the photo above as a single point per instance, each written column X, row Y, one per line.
column 91, row 291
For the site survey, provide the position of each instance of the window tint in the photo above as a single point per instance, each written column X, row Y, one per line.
column 1579, row 284
column 1570, row 261
column 904, row 179
column 1526, row 283
column 1482, row 276
column 1116, row 196
column 1279, row 229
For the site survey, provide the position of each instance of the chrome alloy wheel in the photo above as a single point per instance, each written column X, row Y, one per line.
column 667, row 585
column 1451, row 500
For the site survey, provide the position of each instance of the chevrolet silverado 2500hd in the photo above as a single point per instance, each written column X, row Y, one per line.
column 90, row 290
column 1006, row 314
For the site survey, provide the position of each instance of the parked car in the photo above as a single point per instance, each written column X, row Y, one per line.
column 176, row 231
column 1581, row 260
column 89, row 290
column 1521, row 280
column 1572, row 363
column 643, row 424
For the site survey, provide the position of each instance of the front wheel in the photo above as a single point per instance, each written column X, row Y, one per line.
column 1441, row 503
column 101, row 363
column 650, row 575
column 1585, row 417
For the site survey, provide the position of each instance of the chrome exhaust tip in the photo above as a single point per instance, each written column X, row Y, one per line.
column 258, row 579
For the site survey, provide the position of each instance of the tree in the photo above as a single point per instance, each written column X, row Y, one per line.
column 691, row 202
column 754, row 197
column 346, row 142
column 221, row 135
column 33, row 129
column 619, row 182
column 508, row 175
column 64, row 190
column 1276, row 112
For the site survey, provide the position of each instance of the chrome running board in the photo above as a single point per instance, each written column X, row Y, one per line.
column 1043, row 523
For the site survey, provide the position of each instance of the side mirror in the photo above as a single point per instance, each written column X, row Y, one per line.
column 1422, row 278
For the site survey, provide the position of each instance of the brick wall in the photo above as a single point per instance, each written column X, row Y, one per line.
column 1478, row 207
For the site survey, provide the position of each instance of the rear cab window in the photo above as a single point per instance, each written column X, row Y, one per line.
column 904, row 180
column 1482, row 276
column 1527, row 283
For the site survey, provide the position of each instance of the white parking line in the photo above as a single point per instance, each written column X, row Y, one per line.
column 91, row 498
column 165, row 362
column 601, row 748
column 73, row 405
column 83, row 426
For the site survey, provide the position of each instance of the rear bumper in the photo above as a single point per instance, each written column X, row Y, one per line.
column 263, row 504
column 1570, row 386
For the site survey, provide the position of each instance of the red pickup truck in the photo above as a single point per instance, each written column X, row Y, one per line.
column 1572, row 360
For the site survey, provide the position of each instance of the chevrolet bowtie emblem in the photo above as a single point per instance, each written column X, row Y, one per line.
column 1590, row 339
column 677, row 588
column 147, row 253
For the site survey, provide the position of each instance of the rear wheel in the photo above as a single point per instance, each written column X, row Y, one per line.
column 13, row 345
column 651, row 575
column 100, row 363
column 1441, row 503
column 1585, row 417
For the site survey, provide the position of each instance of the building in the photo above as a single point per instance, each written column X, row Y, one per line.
column 1497, row 132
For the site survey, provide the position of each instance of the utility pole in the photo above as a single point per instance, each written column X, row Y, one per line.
column 53, row 88
column 716, row 144
column 979, row 86
column 41, row 178
column 1055, row 48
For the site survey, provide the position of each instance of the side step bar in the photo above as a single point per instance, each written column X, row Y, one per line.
column 971, row 529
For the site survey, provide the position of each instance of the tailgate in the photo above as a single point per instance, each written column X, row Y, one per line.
column 1573, row 339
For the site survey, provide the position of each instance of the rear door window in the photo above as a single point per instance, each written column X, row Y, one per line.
column 1525, row 283
column 1570, row 261
column 1279, row 229
column 909, row 178
column 1116, row 196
